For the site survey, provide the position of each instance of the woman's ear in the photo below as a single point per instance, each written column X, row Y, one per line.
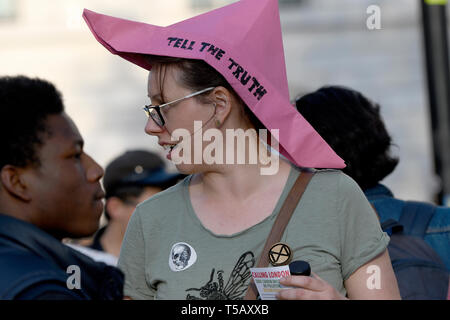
column 14, row 182
column 222, row 98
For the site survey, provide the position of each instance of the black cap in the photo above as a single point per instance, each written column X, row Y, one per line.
column 137, row 168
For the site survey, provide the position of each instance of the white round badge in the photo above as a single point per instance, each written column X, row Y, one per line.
column 182, row 256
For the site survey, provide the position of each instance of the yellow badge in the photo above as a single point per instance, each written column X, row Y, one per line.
column 280, row 254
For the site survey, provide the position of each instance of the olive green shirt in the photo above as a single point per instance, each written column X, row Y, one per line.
column 168, row 254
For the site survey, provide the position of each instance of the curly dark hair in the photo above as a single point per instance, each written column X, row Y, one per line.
column 25, row 104
column 351, row 124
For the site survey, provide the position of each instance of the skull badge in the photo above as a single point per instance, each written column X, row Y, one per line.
column 182, row 256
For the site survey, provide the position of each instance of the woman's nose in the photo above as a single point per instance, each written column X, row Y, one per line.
column 152, row 128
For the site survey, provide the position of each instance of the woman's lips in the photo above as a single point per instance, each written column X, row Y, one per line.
column 169, row 147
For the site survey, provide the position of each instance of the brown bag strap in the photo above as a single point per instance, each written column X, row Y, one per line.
column 280, row 224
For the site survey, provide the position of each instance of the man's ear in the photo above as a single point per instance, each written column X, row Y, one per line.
column 13, row 182
column 114, row 207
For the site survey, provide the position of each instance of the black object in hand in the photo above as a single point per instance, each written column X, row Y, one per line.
column 299, row 268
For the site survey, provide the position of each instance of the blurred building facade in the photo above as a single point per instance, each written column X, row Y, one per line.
column 326, row 42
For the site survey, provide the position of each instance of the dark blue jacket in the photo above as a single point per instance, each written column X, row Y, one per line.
column 35, row 265
column 437, row 233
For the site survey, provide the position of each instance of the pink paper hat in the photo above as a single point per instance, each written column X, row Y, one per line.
column 243, row 42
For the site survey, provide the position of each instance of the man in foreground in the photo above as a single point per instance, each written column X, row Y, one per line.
column 49, row 189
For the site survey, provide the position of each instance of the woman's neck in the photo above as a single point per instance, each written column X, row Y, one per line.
column 238, row 182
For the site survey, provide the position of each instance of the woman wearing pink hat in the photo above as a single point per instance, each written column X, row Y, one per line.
column 212, row 76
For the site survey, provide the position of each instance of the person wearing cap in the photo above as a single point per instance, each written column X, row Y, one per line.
column 198, row 240
column 129, row 179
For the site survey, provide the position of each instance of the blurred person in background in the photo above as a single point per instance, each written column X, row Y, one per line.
column 49, row 189
column 353, row 127
column 129, row 179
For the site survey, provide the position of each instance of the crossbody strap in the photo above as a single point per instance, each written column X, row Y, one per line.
column 280, row 224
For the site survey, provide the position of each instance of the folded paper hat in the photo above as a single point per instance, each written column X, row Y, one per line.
column 243, row 42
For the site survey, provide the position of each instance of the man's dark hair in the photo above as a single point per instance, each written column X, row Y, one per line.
column 25, row 104
column 351, row 124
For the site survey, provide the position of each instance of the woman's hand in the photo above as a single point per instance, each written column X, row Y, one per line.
column 308, row 288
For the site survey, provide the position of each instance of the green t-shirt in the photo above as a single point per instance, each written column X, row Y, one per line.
column 168, row 254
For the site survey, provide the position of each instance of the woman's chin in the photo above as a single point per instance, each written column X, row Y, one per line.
column 191, row 168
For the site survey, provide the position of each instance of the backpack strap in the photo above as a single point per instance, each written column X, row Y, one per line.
column 415, row 217
column 391, row 226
